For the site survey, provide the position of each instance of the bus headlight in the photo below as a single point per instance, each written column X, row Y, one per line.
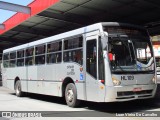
column 154, row 79
column 115, row 81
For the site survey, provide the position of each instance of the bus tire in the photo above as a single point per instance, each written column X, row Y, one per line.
column 71, row 95
column 18, row 89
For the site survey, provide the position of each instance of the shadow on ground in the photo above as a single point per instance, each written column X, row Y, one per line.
column 116, row 107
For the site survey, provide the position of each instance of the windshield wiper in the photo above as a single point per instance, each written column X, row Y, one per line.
column 116, row 65
column 129, row 48
column 132, row 57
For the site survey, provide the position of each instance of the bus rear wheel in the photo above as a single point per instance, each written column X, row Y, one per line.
column 18, row 89
column 71, row 95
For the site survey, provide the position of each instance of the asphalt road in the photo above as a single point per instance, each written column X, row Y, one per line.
column 57, row 107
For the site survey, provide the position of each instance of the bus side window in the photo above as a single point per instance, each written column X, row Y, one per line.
column 73, row 50
column 92, row 58
column 29, row 60
column 40, row 55
column 12, row 59
column 20, row 58
column 6, row 60
column 54, row 52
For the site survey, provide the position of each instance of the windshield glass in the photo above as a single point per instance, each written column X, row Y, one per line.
column 129, row 52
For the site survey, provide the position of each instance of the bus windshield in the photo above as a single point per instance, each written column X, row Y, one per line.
column 130, row 53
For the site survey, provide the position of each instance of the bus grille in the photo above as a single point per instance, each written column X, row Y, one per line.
column 127, row 93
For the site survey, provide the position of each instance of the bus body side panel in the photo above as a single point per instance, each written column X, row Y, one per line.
column 48, row 78
column 48, row 83
column 71, row 70
column 32, row 79
column 8, row 76
column 42, row 80
column 12, row 73
column 4, row 77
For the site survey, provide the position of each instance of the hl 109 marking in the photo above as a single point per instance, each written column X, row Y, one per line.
column 131, row 77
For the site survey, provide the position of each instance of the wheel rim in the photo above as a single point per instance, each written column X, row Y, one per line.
column 70, row 95
column 18, row 89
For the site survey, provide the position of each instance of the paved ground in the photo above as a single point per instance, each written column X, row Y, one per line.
column 33, row 102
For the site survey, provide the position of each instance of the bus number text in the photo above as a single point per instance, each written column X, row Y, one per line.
column 131, row 77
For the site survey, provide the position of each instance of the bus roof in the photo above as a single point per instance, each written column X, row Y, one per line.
column 57, row 37
column 122, row 24
column 79, row 31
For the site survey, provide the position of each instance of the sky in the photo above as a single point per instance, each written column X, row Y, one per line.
column 5, row 14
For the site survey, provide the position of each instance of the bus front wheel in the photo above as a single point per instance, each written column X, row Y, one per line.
column 18, row 89
column 71, row 95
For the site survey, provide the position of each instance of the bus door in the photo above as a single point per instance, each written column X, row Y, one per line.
column 93, row 92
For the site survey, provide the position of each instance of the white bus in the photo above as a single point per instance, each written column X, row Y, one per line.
column 103, row 62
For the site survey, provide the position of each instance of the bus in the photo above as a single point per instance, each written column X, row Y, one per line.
column 103, row 62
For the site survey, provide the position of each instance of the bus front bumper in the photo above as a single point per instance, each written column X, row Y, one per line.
column 125, row 93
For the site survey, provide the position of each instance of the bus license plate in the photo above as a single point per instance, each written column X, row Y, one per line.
column 137, row 89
